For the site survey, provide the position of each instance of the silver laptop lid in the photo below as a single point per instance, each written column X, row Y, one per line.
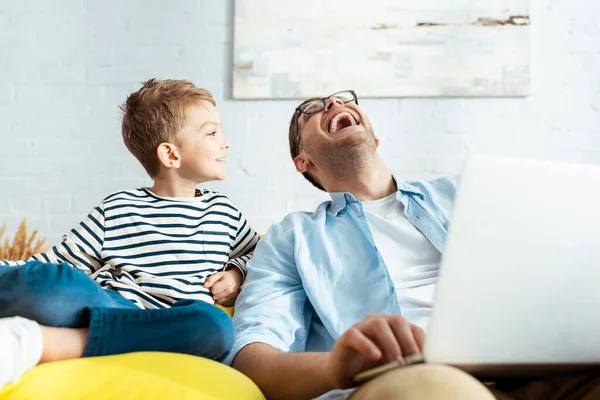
column 520, row 276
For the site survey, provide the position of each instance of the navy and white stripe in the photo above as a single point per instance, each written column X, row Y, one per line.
column 154, row 250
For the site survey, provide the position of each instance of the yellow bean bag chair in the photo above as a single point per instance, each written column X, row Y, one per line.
column 134, row 376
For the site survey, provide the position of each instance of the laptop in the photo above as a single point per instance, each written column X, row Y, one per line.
column 518, row 292
column 519, row 285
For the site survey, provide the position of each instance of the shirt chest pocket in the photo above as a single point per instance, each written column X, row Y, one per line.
column 214, row 246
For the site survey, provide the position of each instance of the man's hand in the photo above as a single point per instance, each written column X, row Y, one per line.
column 374, row 341
column 225, row 286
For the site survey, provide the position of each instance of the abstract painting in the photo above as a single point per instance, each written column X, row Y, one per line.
column 381, row 48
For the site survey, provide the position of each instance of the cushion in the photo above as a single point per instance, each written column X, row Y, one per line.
column 228, row 310
column 133, row 376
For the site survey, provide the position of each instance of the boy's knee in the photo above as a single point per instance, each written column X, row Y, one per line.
column 27, row 279
column 37, row 277
column 425, row 381
column 44, row 291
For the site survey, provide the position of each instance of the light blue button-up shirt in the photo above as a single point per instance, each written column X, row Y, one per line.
column 316, row 274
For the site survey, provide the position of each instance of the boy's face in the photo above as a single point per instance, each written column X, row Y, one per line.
column 202, row 146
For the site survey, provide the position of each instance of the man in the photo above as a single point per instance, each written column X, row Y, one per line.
column 349, row 287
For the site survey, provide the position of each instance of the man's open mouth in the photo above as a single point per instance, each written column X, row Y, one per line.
column 341, row 121
column 222, row 159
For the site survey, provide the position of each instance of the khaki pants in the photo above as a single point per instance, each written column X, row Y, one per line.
column 430, row 381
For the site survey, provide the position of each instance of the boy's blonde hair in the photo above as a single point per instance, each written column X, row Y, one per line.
column 154, row 114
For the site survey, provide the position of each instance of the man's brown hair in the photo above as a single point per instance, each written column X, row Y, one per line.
column 292, row 140
column 154, row 114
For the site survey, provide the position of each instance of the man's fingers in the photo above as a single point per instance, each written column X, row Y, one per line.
column 358, row 341
column 392, row 335
column 419, row 336
column 404, row 334
column 380, row 332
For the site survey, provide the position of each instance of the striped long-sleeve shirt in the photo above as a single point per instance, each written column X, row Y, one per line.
column 155, row 250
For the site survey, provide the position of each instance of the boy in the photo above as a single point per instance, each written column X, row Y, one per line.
column 141, row 272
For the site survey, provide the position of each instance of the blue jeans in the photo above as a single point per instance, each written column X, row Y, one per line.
column 63, row 296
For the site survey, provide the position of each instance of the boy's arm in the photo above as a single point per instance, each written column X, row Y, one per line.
column 242, row 247
column 81, row 247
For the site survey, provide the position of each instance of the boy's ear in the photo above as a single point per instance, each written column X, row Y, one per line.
column 302, row 162
column 168, row 155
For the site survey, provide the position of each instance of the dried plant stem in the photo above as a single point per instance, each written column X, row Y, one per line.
column 22, row 247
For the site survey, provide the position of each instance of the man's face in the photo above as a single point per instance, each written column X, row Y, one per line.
column 337, row 137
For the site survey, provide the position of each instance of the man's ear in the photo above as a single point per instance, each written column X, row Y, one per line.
column 376, row 141
column 302, row 163
column 168, row 155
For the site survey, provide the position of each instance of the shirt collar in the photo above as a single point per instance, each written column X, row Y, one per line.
column 341, row 199
column 408, row 188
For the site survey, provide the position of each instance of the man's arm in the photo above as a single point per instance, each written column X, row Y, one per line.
column 272, row 318
column 282, row 375
column 374, row 341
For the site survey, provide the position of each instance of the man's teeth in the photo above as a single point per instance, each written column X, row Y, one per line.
column 334, row 121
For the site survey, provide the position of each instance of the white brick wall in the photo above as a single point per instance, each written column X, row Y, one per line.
column 65, row 67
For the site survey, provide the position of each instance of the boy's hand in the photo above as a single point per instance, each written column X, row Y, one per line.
column 225, row 286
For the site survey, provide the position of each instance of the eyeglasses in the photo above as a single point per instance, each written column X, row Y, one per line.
column 315, row 106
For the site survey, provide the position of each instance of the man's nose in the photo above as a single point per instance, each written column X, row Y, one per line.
column 331, row 102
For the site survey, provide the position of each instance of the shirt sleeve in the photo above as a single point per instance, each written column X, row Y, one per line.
column 243, row 246
column 272, row 307
column 81, row 247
